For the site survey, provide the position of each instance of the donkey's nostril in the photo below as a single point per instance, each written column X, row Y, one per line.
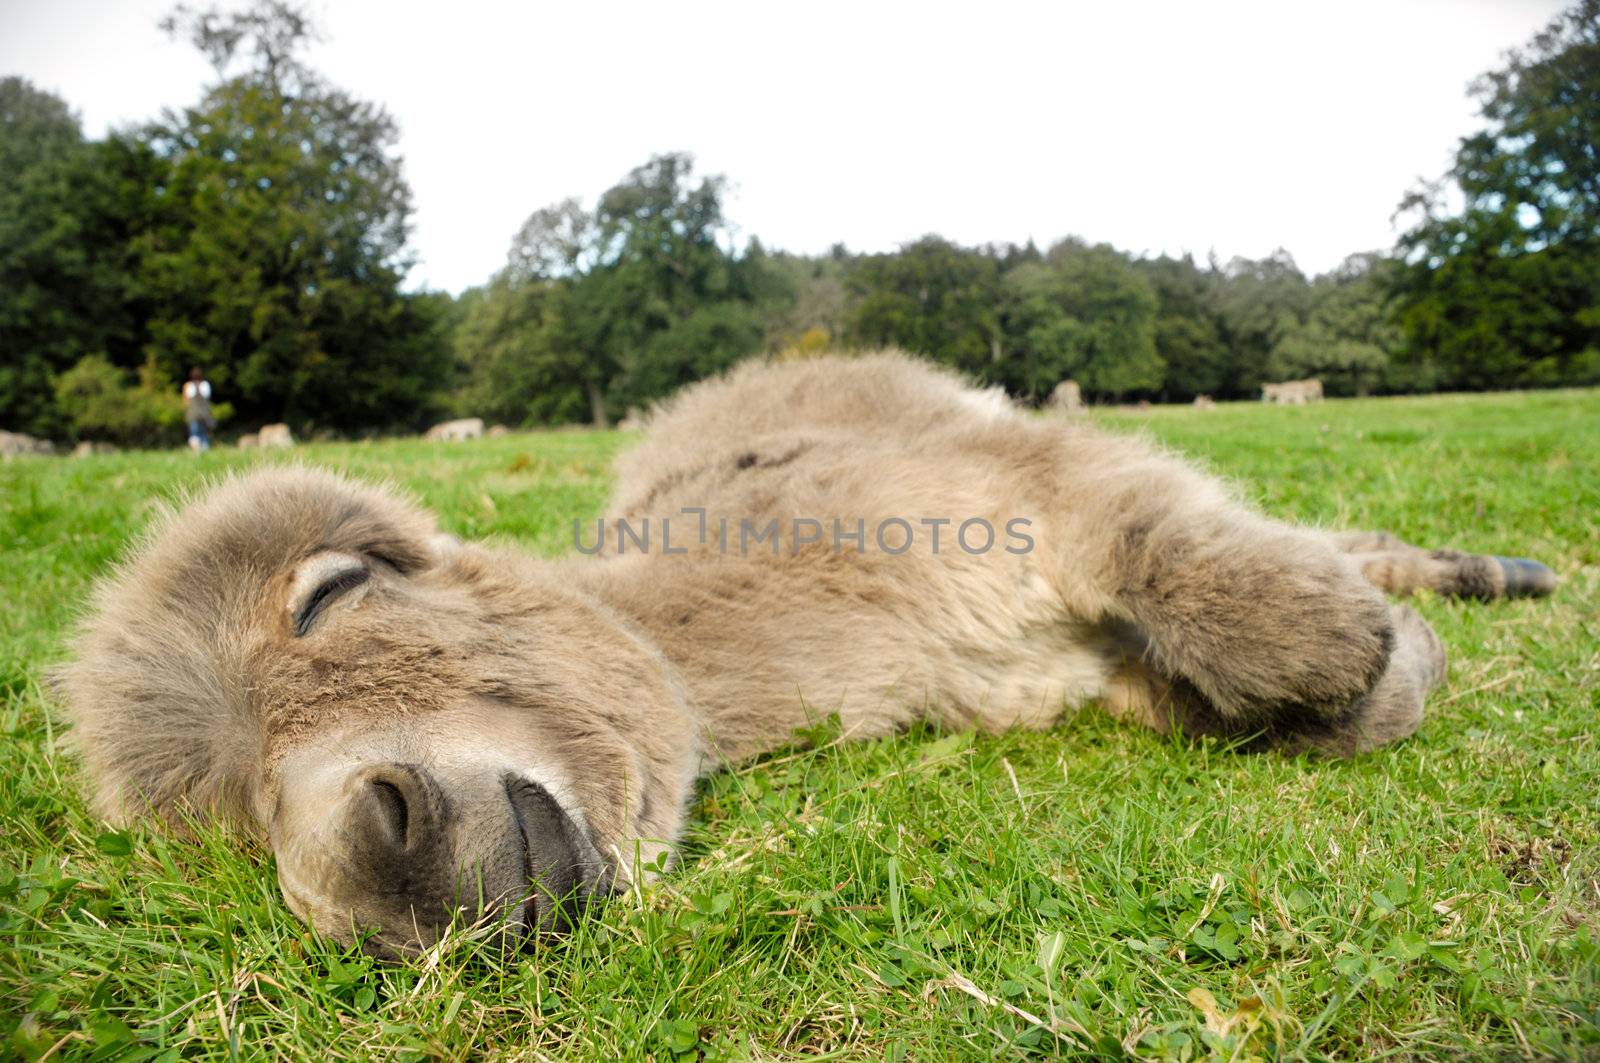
column 393, row 806
column 393, row 813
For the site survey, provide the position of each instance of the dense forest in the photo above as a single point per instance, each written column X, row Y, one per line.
column 262, row 233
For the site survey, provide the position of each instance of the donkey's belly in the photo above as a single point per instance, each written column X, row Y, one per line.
column 1028, row 682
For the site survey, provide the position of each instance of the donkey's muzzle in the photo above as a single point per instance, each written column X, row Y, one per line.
column 562, row 869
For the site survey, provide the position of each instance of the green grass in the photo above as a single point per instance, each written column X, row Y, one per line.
column 1090, row 891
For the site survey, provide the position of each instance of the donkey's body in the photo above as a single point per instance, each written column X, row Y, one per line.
column 1141, row 582
column 464, row 702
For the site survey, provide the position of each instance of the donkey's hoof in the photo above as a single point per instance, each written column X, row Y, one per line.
column 1527, row 579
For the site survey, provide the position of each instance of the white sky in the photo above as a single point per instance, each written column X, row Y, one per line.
column 1233, row 125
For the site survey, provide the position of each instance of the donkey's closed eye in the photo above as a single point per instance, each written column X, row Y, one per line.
column 327, row 591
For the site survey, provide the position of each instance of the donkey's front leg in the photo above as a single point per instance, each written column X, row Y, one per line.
column 1260, row 618
column 1391, row 710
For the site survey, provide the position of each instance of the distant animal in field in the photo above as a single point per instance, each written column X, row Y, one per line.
column 455, row 431
column 17, row 444
column 1066, row 398
column 1293, row 392
column 430, row 732
column 274, row 435
column 89, row 448
column 1204, row 402
column 497, row 431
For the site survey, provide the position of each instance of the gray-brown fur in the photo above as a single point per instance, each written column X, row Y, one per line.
column 460, row 718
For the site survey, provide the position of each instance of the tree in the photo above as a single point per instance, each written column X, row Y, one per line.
column 1505, row 290
column 1086, row 314
column 36, row 127
column 1259, row 304
column 69, row 283
column 1348, row 336
column 931, row 298
column 269, row 36
column 512, row 371
column 1188, row 333
column 809, row 312
column 644, row 296
column 285, row 281
column 101, row 402
column 38, row 137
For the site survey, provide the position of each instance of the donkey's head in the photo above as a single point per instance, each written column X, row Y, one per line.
column 425, row 731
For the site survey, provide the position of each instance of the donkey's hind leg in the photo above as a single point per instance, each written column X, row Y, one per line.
column 1399, row 568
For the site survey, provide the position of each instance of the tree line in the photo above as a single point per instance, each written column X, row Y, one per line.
column 263, row 235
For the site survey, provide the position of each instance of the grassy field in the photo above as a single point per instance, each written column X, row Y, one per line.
column 1091, row 891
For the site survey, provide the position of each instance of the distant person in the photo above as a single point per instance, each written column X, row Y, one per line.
column 197, row 410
